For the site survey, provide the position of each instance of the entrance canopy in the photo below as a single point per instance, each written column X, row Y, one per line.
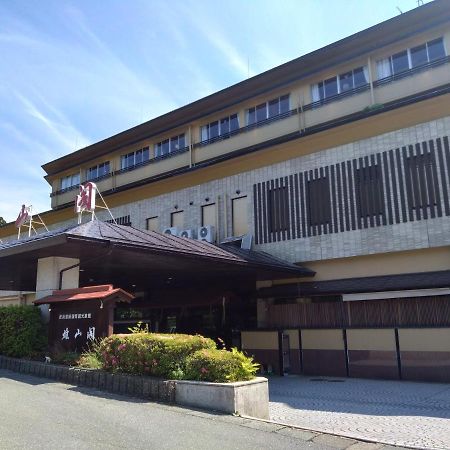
column 128, row 257
column 105, row 292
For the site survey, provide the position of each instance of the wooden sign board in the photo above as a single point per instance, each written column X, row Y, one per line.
column 74, row 325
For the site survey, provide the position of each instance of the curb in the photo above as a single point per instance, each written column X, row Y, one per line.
column 132, row 385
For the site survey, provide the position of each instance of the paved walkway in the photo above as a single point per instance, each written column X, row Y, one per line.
column 393, row 412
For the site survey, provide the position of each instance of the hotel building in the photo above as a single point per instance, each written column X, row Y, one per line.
column 327, row 176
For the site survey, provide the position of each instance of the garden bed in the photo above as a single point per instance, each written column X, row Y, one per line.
column 248, row 398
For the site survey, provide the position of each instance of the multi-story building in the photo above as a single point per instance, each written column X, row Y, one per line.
column 338, row 161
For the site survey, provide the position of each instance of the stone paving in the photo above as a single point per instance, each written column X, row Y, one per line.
column 408, row 414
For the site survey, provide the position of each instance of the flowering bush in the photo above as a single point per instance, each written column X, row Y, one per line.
column 161, row 355
column 220, row 366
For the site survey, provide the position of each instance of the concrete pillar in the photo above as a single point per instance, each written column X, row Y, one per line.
column 47, row 278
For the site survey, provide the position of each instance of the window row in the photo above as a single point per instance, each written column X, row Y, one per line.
column 411, row 58
column 218, row 128
column 339, row 84
column 208, row 217
column 70, row 181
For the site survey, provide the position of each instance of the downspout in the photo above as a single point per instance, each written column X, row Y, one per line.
column 61, row 273
column 190, row 146
column 369, row 70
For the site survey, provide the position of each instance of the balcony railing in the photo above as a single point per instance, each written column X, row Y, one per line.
column 63, row 191
column 336, row 97
column 260, row 123
column 152, row 160
column 270, row 120
column 411, row 72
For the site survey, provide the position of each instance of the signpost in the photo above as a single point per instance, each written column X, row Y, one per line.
column 25, row 218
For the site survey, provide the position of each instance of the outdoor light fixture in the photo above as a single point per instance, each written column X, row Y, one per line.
column 175, row 207
column 238, row 191
column 207, row 199
column 191, row 203
column 101, row 304
column 49, row 308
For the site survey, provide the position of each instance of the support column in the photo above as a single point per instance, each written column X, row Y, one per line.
column 48, row 276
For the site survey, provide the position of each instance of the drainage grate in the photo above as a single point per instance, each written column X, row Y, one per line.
column 328, row 381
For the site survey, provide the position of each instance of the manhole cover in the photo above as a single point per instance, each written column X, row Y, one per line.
column 317, row 379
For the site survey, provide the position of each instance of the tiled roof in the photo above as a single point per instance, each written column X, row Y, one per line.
column 407, row 281
column 102, row 292
column 130, row 238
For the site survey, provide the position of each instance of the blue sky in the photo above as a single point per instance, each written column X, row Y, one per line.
column 75, row 72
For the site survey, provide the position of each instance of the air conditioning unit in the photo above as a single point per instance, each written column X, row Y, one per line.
column 171, row 230
column 206, row 233
column 190, row 234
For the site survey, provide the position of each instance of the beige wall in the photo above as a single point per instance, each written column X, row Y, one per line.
column 380, row 124
column 424, row 339
column 424, row 260
column 322, row 340
column 381, row 340
column 294, row 342
column 259, row 340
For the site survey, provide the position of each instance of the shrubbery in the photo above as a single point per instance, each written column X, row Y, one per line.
column 22, row 332
column 220, row 366
column 161, row 355
column 173, row 356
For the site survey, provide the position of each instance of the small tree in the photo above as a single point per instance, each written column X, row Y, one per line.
column 2, row 221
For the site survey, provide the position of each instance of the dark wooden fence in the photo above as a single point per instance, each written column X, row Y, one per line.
column 405, row 312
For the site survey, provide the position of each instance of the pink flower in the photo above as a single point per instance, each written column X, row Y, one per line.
column 121, row 347
column 204, row 370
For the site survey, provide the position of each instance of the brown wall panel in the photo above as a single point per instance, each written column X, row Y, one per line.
column 294, row 357
column 373, row 364
column 426, row 366
column 266, row 358
column 324, row 363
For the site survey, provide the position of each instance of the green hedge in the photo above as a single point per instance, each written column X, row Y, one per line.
column 22, row 332
column 161, row 355
column 220, row 366
column 173, row 356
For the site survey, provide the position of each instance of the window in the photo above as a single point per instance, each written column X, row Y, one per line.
column 318, row 201
column 124, row 220
column 177, row 219
column 239, row 211
column 421, row 183
column 134, row 158
column 170, row 145
column 209, row 215
column 339, row 84
column 411, row 58
column 70, row 181
column 152, row 223
column 369, row 191
column 278, row 209
column 98, row 171
column 268, row 110
column 221, row 127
